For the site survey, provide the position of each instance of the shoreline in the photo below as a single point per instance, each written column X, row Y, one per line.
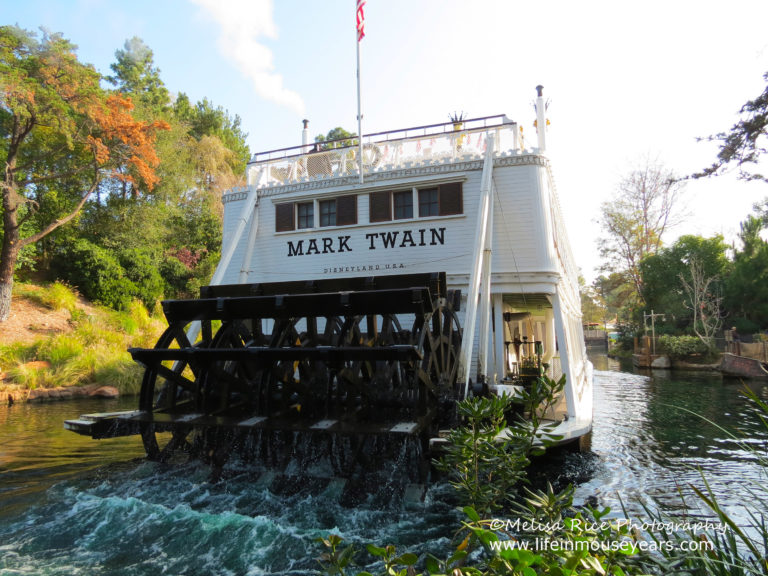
column 12, row 394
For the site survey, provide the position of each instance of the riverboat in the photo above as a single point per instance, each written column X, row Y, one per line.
column 364, row 287
column 470, row 198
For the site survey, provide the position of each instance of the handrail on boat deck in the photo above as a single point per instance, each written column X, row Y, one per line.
column 378, row 137
column 431, row 143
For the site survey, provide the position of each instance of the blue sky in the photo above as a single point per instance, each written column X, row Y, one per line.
column 626, row 80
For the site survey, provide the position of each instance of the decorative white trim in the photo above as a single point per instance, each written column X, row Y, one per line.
column 344, row 184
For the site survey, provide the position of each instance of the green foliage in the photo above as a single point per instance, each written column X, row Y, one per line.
column 16, row 353
column 744, row 145
column 176, row 276
column 334, row 560
column 56, row 296
column 746, row 289
column 682, row 346
column 662, row 287
column 136, row 74
column 94, row 352
column 618, row 293
column 97, row 273
column 484, row 469
column 60, row 349
column 62, row 137
column 140, row 268
column 336, row 138
column 205, row 119
column 59, row 296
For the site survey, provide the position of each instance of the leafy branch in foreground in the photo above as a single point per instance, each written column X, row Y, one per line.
column 744, row 145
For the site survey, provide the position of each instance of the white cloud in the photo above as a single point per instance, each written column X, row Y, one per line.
column 242, row 24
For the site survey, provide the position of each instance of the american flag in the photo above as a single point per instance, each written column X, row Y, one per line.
column 360, row 20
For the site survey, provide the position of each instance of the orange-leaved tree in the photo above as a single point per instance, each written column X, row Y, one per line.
column 61, row 136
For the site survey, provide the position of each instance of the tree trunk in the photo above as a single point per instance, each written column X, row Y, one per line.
column 9, row 252
column 8, row 257
column 5, row 299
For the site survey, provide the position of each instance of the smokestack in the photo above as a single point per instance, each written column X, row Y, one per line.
column 541, row 119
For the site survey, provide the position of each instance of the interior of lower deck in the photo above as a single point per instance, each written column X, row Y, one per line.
column 525, row 345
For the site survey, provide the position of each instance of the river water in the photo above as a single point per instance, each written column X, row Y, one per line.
column 71, row 505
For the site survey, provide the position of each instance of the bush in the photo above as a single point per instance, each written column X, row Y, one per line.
column 59, row 296
column 60, row 349
column 97, row 273
column 682, row 346
column 56, row 296
column 176, row 275
column 140, row 268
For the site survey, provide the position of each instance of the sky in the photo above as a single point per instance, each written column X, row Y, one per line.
column 627, row 82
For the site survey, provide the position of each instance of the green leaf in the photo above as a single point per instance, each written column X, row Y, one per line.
column 375, row 550
column 432, row 564
column 471, row 513
column 457, row 556
column 408, row 559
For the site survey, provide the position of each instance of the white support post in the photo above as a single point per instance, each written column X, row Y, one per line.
column 227, row 253
column 474, row 293
column 253, row 230
column 499, row 347
column 562, row 340
column 484, row 365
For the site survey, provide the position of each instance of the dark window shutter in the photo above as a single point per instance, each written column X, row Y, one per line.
column 451, row 199
column 284, row 217
column 380, row 208
column 346, row 210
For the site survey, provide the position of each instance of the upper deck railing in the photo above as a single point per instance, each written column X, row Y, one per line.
column 384, row 151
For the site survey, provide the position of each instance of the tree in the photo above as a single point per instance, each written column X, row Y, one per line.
column 137, row 75
column 205, row 119
column 703, row 299
column 635, row 221
column 327, row 141
column 745, row 143
column 618, row 296
column 62, row 135
column 746, row 288
column 665, row 273
column 593, row 308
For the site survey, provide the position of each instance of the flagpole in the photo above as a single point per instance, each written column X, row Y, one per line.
column 359, row 109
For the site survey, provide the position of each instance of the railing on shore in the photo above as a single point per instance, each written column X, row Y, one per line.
column 384, row 151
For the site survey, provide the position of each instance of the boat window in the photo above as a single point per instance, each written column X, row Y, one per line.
column 450, row 199
column 305, row 212
column 442, row 200
column 328, row 212
column 346, row 210
column 341, row 211
column 380, row 206
column 403, row 202
column 284, row 217
column 428, row 204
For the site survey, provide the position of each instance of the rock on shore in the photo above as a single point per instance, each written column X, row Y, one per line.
column 15, row 394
